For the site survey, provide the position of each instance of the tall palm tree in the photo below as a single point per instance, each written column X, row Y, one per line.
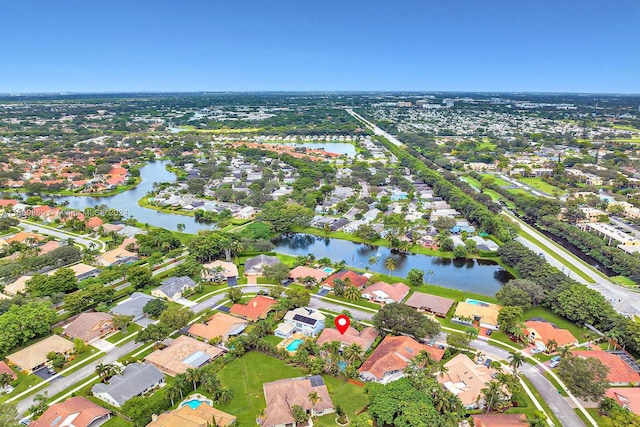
column 40, row 405
column 390, row 265
column 493, row 396
column 210, row 382
column 5, row 380
column 429, row 273
column 352, row 353
column 314, row 398
column 552, row 345
column 101, row 371
column 351, row 293
column 180, row 382
column 516, row 360
column 224, row 395
column 471, row 334
column 373, row 260
column 565, row 351
column 607, row 405
column 172, row 393
column 194, row 376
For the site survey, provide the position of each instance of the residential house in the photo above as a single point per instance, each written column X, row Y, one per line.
column 364, row 338
column 620, row 372
column 76, row 411
column 391, row 357
column 282, row 395
column 185, row 416
column 90, row 326
column 135, row 380
column 18, row 286
column 485, row 244
column 470, row 311
column 34, row 357
column 246, row 213
column 256, row 308
column 183, row 353
column 219, row 325
column 500, row 420
column 133, row 306
column 544, row 331
column 173, row 288
column 253, row 266
column 465, row 378
column 385, row 293
column 430, row 303
column 116, row 257
column 307, row 321
column 84, row 271
column 219, row 271
column 354, row 278
column 627, row 397
column 338, row 224
column 300, row 272
column 5, row 369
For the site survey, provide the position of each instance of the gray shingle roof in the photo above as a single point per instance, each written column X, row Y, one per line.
column 254, row 265
column 135, row 379
column 173, row 285
column 133, row 306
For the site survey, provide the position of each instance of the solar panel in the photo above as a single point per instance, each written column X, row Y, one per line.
column 304, row 319
column 316, row 381
column 197, row 359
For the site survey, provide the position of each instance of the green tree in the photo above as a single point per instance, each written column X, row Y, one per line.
column 415, row 277
column 516, row 359
column 460, row 251
column 139, row 277
column 278, row 272
column 586, row 378
column 509, row 317
column 399, row 319
column 351, row 293
column 299, row 414
column 493, row 396
column 193, row 375
column 122, row 322
column 176, row 317
column 79, row 346
column 390, row 265
column 297, row 298
column 8, row 415
column 234, row 295
column 153, row 333
column 155, row 307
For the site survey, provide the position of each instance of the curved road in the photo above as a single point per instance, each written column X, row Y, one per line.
column 83, row 240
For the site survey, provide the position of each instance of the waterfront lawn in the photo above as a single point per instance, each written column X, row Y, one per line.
column 245, row 377
column 559, row 321
column 131, row 329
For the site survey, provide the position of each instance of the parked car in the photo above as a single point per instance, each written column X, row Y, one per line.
column 555, row 359
column 536, row 350
column 480, row 360
column 489, row 332
column 487, row 362
column 432, row 341
column 554, row 364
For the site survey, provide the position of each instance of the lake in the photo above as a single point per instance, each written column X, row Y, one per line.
column 479, row 276
column 127, row 202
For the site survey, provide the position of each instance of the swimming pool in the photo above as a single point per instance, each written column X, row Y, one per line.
column 293, row 345
column 193, row 403
column 476, row 302
column 327, row 270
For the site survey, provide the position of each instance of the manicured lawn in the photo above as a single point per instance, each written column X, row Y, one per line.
column 559, row 321
column 624, row 281
column 133, row 327
column 116, row 422
column 77, row 360
column 594, row 414
column 272, row 339
column 541, row 185
column 349, row 396
column 24, row 382
column 497, row 180
column 245, row 377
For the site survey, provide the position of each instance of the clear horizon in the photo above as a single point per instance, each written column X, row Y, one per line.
column 247, row 46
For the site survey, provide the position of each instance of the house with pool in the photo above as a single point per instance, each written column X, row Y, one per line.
column 282, row 395
column 472, row 311
column 194, row 412
column 304, row 320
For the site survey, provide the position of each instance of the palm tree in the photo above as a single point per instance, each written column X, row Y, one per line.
column 180, row 228
column 390, row 265
column 516, row 360
column 5, row 380
column 194, row 376
column 351, row 293
column 172, row 393
column 180, row 382
column 496, row 366
column 224, row 395
column 314, row 398
column 607, row 405
column 565, row 351
column 471, row 334
column 39, row 405
column 373, row 260
column 352, row 352
column 210, row 382
column 442, row 369
column 429, row 273
column 552, row 345
column 493, row 396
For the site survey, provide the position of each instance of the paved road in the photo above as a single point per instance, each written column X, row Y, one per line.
column 376, row 130
column 624, row 300
column 83, row 240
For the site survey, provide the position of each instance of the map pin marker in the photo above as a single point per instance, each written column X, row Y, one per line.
column 342, row 323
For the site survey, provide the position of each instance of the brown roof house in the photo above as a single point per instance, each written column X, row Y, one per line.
column 34, row 357
column 219, row 271
column 90, row 326
column 357, row 280
column 300, row 272
column 620, row 373
column 219, row 325
column 385, row 293
column 256, row 308
column 74, row 412
column 253, row 267
column 465, row 379
column 545, row 331
column 364, row 339
column 430, row 303
column 203, row 416
column 183, row 353
column 470, row 311
column 283, row 395
column 388, row 360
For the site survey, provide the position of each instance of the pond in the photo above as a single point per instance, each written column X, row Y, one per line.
column 479, row 276
column 127, row 202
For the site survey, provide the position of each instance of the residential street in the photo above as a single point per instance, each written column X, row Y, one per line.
column 83, row 240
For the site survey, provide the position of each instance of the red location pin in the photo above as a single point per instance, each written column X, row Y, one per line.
column 342, row 323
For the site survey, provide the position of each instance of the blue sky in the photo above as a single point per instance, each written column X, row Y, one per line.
column 319, row 45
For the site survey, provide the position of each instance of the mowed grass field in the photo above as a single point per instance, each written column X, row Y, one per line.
column 541, row 185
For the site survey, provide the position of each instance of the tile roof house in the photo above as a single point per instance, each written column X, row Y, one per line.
column 500, row 420
column 356, row 279
column 5, row 369
column 94, row 222
column 470, row 311
column 465, row 379
column 306, row 321
column 430, row 303
column 545, row 331
column 34, row 357
column 627, row 397
column 392, row 355
column 282, row 395
column 186, row 416
column 183, row 353
column 116, row 256
column 301, row 272
column 90, row 326
column 619, row 372
column 385, row 293
column 133, row 306
column 219, row 325
column 76, row 411
column 219, row 270
column 253, row 266
column 172, row 288
column 18, row 286
column 84, row 271
column 364, row 339
column 256, row 308
column 135, row 380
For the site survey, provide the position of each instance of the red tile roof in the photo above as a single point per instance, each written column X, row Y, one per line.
column 351, row 336
column 5, row 369
column 619, row 372
column 396, row 292
column 500, row 420
column 301, row 272
column 393, row 353
column 86, row 411
column 546, row 331
column 94, row 221
column 627, row 397
column 8, row 202
column 356, row 279
column 256, row 308
column 118, row 171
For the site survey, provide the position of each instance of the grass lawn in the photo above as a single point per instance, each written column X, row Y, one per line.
column 624, row 281
column 349, row 396
column 78, row 359
column 24, row 382
column 541, row 185
column 116, row 422
column 273, row 339
column 133, row 327
column 497, row 180
column 559, row 321
column 245, row 377
column 599, row 419
column 486, row 146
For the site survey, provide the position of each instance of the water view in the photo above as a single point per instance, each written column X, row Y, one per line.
column 479, row 276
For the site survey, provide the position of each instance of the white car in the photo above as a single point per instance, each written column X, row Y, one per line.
column 554, row 364
column 536, row 350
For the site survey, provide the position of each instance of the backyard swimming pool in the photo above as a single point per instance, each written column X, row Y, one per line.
column 293, row 345
column 193, row 403
column 476, row 302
